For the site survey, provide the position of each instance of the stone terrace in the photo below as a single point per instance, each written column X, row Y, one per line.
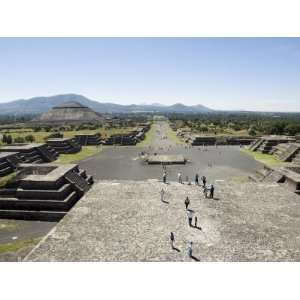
column 126, row 221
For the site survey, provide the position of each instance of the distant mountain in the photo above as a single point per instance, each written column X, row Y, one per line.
column 39, row 105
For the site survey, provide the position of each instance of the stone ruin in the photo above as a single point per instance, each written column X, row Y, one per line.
column 44, row 192
column 221, row 140
column 288, row 176
column 162, row 159
column 32, row 153
column 8, row 163
column 128, row 139
column 64, row 145
column 267, row 144
column 289, row 152
column 86, row 139
column 71, row 112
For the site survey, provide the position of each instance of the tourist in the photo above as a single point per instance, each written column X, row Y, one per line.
column 172, row 239
column 212, row 190
column 203, row 178
column 196, row 221
column 165, row 177
column 179, row 178
column 190, row 249
column 190, row 217
column 197, row 179
column 162, row 193
column 205, row 191
column 187, row 202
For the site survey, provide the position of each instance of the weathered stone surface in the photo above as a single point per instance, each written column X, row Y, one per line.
column 126, row 221
column 166, row 159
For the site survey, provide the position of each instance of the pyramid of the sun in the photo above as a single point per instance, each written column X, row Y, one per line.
column 70, row 112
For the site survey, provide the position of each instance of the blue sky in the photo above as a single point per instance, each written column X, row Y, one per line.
column 221, row 73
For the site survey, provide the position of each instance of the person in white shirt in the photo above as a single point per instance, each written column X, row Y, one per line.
column 179, row 177
column 190, row 217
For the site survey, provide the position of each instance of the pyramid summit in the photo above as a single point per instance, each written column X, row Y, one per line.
column 69, row 112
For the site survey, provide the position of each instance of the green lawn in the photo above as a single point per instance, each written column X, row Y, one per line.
column 17, row 245
column 85, row 152
column 267, row 159
column 173, row 137
column 6, row 179
column 148, row 138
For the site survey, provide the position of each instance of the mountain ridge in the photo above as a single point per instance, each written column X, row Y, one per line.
column 38, row 105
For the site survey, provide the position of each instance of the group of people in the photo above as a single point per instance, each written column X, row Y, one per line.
column 208, row 192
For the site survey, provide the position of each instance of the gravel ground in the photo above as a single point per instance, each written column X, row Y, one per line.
column 126, row 221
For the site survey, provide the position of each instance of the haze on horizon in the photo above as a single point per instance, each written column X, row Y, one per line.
column 258, row 74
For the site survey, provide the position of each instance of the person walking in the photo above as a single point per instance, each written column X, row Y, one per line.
column 187, row 202
column 190, row 249
column 203, row 180
column 197, row 179
column 164, row 177
column 179, row 178
column 212, row 190
column 205, row 191
column 172, row 239
column 190, row 217
column 162, row 194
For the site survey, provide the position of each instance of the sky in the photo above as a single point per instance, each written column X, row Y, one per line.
column 259, row 74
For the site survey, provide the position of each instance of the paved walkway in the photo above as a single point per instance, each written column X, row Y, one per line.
column 126, row 221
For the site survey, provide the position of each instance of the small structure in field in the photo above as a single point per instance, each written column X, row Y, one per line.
column 88, row 139
column 163, row 159
column 64, row 145
column 44, row 192
column 32, row 153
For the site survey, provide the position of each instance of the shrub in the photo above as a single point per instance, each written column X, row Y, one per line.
column 29, row 138
column 19, row 139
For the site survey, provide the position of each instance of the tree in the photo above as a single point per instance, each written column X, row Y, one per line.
column 292, row 129
column 29, row 138
column 19, row 139
column 8, row 139
column 251, row 131
column 203, row 127
column 4, row 139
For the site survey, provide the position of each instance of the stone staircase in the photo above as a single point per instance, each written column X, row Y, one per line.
column 8, row 163
column 256, row 144
column 286, row 151
column 296, row 158
column 47, row 153
column 79, row 181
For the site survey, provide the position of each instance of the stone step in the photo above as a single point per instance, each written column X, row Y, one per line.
column 38, row 204
column 78, row 181
column 6, row 171
column 49, row 216
column 59, row 194
column 4, row 164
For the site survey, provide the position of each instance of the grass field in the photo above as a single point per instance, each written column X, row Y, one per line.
column 173, row 137
column 17, row 245
column 267, row 159
column 4, row 180
column 148, row 138
column 85, row 152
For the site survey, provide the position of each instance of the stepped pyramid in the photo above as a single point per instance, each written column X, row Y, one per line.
column 70, row 112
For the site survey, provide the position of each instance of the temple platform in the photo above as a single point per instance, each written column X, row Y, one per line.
column 165, row 159
column 127, row 221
